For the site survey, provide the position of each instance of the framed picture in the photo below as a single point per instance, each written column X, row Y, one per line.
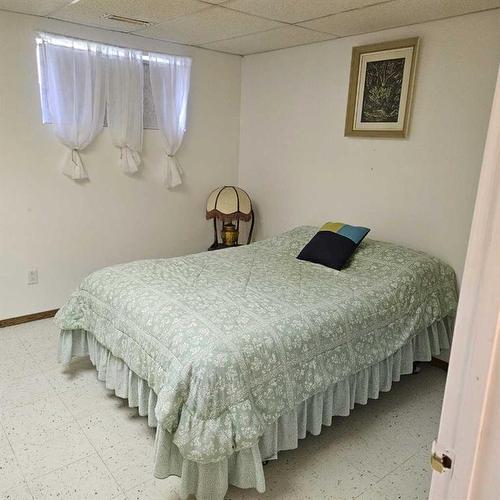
column 380, row 89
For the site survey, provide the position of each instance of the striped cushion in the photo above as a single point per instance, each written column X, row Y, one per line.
column 334, row 244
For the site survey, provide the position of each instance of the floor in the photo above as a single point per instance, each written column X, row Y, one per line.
column 62, row 434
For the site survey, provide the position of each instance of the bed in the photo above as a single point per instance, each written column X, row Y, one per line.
column 235, row 355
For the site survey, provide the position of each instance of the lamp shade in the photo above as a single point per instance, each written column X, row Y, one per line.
column 229, row 203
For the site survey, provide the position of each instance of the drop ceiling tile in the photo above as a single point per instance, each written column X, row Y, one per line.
column 37, row 8
column 287, row 36
column 209, row 25
column 395, row 13
column 94, row 12
column 294, row 11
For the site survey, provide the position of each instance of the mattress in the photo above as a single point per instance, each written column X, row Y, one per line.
column 230, row 341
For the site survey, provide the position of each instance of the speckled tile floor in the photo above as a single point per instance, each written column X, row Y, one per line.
column 63, row 435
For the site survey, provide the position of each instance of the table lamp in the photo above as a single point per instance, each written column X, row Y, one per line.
column 229, row 204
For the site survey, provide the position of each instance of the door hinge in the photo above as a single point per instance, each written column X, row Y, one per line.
column 441, row 461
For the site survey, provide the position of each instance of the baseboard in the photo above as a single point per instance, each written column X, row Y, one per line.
column 27, row 318
column 439, row 363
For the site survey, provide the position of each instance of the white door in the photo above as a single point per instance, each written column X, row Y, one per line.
column 469, row 432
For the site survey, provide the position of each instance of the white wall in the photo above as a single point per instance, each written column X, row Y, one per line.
column 300, row 169
column 66, row 229
column 294, row 160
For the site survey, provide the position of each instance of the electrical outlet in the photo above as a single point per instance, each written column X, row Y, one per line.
column 33, row 277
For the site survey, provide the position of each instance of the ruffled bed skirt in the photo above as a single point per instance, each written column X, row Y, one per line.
column 244, row 468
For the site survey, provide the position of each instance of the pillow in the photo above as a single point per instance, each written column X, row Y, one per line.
column 333, row 245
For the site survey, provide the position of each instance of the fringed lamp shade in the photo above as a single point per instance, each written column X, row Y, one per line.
column 229, row 203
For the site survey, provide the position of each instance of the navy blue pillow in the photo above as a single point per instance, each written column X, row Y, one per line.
column 333, row 245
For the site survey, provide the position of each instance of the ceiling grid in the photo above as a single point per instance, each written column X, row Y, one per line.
column 244, row 27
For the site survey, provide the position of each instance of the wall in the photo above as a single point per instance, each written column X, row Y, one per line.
column 300, row 169
column 294, row 159
column 66, row 229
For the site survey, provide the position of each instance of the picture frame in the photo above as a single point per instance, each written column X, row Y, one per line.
column 381, row 88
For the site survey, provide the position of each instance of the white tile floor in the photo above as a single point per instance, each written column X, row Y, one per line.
column 62, row 434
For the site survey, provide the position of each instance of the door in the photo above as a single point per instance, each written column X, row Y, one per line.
column 469, row 433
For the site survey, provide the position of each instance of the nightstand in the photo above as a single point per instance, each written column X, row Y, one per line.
column 220, row 246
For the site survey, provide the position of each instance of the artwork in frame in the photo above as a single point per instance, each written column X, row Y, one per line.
column 380, row 89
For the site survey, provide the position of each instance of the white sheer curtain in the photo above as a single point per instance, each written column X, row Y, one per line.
column 76, row 95
column 125, row 104
column 170, row 76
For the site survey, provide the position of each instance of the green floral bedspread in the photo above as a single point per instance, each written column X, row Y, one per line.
column 230, row 340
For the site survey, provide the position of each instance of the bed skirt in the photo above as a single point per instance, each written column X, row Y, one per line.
column 244, row 468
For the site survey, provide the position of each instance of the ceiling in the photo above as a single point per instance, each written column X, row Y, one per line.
column 248, row 26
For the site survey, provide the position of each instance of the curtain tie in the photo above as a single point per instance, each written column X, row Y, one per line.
column 173, row 171
column 73, row 152
column 129, row 160
column 74, row 168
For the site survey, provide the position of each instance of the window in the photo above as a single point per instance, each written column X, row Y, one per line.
column 80, row 81
column 149, row 117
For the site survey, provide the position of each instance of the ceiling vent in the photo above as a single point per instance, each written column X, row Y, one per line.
column 129, row 20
